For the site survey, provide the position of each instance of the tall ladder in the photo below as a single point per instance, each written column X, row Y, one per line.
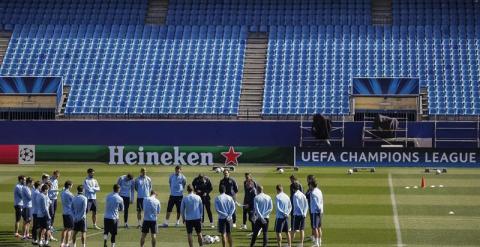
column 157, row 12
column 4, row 40
column 382, row 12
column 251, row 97
column 424, row 103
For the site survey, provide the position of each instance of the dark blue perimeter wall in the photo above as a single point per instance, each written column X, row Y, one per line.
column 179, row 133
column 168, row 133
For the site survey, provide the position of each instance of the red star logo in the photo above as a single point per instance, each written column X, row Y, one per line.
column 231, row 157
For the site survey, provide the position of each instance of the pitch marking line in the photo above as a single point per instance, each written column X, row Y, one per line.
column 395, row 212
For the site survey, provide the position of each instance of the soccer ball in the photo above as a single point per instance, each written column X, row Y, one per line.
column 218, row 170
column 350, row 171
column 222, row 169
column 207, row 239
column 217, row 239
column 281, row 170
column 438, row 171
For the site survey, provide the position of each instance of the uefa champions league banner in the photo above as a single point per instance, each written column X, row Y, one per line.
column 387, row 157
column 164, row 155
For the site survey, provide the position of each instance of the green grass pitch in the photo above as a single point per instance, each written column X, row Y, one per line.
column 358, row 207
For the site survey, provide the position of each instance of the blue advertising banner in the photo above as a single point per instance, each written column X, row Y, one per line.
column 385, row 86
column 387, row 157
column 29, row 85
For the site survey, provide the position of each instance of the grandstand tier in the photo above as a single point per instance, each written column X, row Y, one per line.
column 117, row 64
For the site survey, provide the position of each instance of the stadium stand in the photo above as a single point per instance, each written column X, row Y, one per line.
column 434, row 12
column 117, row 64
column 269, row 12
column 309, row 68
column 135, row 69
column 61, row 12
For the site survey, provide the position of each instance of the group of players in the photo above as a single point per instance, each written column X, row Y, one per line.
column 36, row 203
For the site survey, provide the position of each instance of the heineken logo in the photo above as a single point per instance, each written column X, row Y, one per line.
column 118, row 156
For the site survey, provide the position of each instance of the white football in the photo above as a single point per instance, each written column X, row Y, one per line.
column 217, row 170
column 222, row 169
column 350, row 171
column 281, row 170
column 217, row 239
column 438, row 172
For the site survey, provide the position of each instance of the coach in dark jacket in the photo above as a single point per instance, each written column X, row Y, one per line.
column 231, row 189
column 203, row 186
column 250, row 193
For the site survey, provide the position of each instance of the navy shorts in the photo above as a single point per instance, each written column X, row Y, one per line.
column 174, row 201
column 191, row 224
column 44, row 223
column 80, row 226
column 281, row 225
column 316, row 220
column 224, row 226
column 139, row 204
column 18, row 213
column 110, row 226
column 149, row 226
column 298, row 223
column 26, row 214
column 67, row 221
column 92, row 205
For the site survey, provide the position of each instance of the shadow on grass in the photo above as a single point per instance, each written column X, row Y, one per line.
column 7, row 239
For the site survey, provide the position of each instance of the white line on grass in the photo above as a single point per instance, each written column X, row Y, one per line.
column 395, row 212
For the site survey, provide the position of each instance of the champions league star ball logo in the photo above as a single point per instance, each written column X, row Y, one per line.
column 26, row 155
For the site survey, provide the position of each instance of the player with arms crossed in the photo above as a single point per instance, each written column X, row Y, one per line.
column 225, row 207
column 143, row 186
column 151, row 209
column 191, row 210
column 113, row 204
column 91, row 187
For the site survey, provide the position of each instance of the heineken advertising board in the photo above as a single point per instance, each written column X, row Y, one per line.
column 164, row 155
column 387, row 157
